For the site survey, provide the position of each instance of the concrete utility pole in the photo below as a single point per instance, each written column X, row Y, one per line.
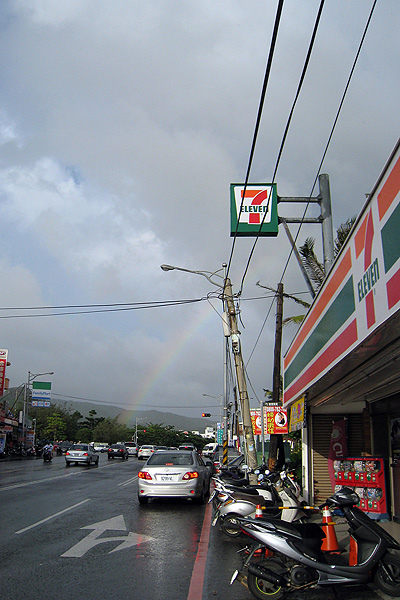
column 250, row 451
column 276, row 441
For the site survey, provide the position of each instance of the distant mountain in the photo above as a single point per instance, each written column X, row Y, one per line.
column 149, row 416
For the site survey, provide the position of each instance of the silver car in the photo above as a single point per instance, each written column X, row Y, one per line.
column 145, row 451
column 178, row 473
column 81, row 453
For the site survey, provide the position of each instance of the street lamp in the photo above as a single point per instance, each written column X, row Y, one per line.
column 207, row 274
column 31, row 377
column 233, row 333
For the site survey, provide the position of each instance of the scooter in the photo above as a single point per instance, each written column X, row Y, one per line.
column 298, row 562
column 47, row 455
column 233, row 502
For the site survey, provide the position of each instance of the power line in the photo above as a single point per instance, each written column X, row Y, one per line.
column 321, row 163
column 300, row 85
column 117, row 308
column 332, row 131
column 258, row 120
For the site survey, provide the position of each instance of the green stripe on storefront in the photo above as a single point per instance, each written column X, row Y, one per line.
column 391, row 239
column 338, row 313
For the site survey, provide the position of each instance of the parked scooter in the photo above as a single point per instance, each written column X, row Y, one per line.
column 298, row 562
column 232, row 502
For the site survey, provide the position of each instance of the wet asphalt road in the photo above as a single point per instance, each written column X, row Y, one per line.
column 54, row 521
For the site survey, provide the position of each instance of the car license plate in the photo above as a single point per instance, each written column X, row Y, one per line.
column 167, row 478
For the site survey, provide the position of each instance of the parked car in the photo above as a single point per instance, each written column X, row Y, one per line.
column 81, row 453
column 132, row 448
column 178, row 473
column 64, row 446
column 100, row 446
column 118, row 450
column 145, row 452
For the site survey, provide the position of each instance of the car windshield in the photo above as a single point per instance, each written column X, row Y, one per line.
column 79, row 447
column 170, row 459
column 146, row 447
column 130, row 445
column 116, row 446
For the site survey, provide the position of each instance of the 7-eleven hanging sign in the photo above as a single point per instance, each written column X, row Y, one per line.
column 254, row 210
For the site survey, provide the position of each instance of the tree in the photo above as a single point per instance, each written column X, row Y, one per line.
column 110, row 431
column 315, row 269
column 55, row 428
column 92, row 421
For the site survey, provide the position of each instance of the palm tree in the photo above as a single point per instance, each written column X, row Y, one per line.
column 315, row 269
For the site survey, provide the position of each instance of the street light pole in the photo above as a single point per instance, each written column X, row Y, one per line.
column 250, row 452
column 31, row 377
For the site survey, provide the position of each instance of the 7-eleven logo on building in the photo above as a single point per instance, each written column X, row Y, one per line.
column 254, row 210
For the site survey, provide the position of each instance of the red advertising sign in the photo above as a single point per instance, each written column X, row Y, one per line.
column 276, row 420
column 256, row 420
column 3, row 363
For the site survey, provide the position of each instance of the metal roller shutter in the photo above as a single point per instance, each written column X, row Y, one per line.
column 321, row 436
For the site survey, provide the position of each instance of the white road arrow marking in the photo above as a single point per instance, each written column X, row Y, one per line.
column 93, row 539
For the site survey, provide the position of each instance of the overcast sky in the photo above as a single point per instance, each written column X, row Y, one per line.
column 122, row 125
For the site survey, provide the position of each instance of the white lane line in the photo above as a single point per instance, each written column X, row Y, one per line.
column 36, row 482
column 52, row 516
column 128, row 481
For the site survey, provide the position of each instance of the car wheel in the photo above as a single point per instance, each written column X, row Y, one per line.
column 97, row 462
column 201, row 498
column 142, row 500
column 66, row 463
column 109, row 457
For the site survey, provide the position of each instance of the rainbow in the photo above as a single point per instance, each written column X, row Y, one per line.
column 175, row 348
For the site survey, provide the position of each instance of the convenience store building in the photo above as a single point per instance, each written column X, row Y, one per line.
column 341, row 371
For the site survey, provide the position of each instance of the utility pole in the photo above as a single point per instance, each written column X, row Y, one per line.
column 250, row 451
column 276, row 441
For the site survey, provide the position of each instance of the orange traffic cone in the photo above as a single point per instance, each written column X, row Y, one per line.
column 259, row 511
column 329, row 543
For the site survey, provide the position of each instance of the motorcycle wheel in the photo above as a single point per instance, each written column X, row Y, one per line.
column 262, row 589
column 230, row 526
column 387, row 577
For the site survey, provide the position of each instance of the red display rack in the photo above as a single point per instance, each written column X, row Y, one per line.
column 367, row 476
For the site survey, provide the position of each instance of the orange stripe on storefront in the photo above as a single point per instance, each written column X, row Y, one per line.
column 359, row 238
column 389, row 191
column 336, row 280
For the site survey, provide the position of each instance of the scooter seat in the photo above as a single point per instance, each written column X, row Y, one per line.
column 302, row 531
column 243, row 490
column 253, row 498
